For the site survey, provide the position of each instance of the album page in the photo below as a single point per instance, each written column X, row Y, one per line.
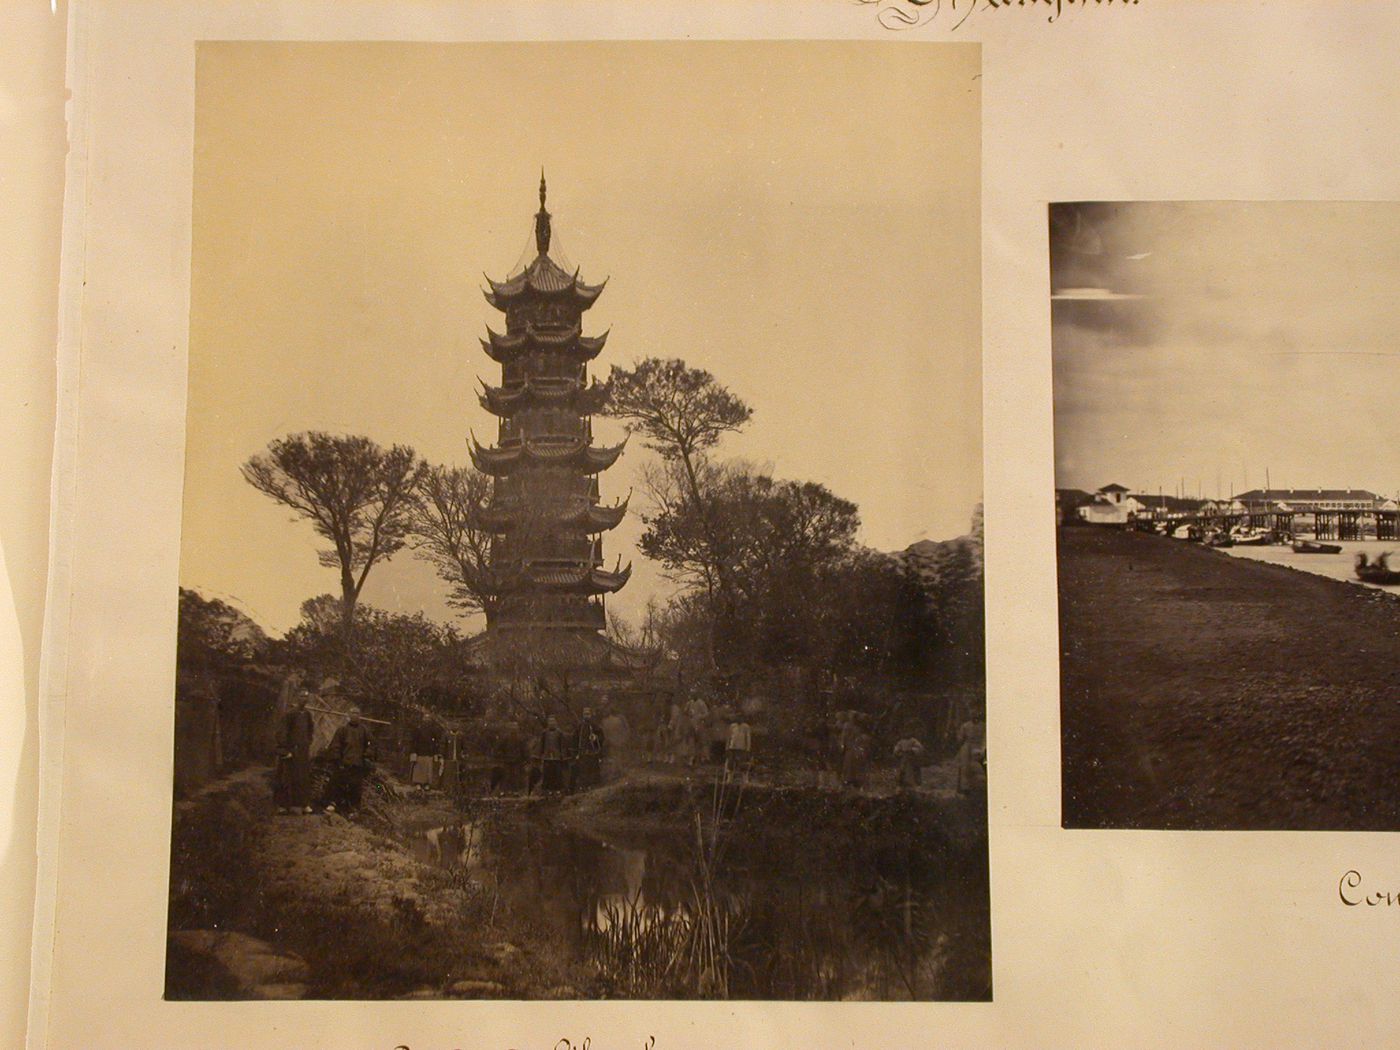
column 856, row 524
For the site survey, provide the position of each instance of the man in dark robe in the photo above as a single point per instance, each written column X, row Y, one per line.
column 293, row 781
column 454, row 747
column 510, row 759
column 552, row 757
column 588, row 772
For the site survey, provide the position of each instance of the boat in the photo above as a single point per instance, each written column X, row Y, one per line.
column 1251, row 539
column 1378, row 571
column 1218, row 539
column 1313, row 547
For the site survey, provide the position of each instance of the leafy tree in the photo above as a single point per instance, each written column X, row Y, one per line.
column 322, row 613
column 953, row 591
column 947, row 593
column 445, row 530
column 777, row 541
column 357, row 495
column 881, row 618
column 803, row 533
column 398, row 663
column 401, row 659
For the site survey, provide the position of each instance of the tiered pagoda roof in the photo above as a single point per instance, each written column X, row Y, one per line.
column 576, row 578
column 505, row 401
column 581, row 514
column 510, row 347
column 545, row 277
column 500, row 462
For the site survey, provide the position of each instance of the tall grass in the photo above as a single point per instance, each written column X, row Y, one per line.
column 685, row 950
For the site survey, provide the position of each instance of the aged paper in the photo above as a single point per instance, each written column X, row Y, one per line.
column 1124, row 937
column 32, row 125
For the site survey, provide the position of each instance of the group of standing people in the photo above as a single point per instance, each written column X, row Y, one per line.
column 567, row 761
column 557, row 760
column 435, row 760
column 350, row 755
column 696, row 734
column 553, row 759
column 847, row 744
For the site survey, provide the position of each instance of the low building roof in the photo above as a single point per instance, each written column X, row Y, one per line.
column 1306, row 495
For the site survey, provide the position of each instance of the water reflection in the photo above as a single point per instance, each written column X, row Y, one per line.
column 456, row 846
column 875, row 915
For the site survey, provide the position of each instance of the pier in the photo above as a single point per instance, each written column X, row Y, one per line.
column 1326, row 524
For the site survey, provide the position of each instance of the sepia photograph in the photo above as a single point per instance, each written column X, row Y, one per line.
column 1228, row 507
column 581, row 572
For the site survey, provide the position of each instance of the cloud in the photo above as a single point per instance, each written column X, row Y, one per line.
column 1244, row 336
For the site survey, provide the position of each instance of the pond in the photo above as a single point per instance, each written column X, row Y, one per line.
column 846, row 912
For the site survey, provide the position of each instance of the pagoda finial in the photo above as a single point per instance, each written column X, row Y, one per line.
column 542, row 221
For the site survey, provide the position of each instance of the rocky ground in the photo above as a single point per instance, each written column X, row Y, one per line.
column 1203, row 691
column 318, row 906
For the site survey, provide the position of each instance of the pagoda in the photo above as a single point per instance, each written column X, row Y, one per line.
column 547, row 572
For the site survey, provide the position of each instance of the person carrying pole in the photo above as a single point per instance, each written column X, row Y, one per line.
column 352, row 751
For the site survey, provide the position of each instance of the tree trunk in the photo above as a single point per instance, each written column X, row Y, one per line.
column 349, row 598
column 720, row 644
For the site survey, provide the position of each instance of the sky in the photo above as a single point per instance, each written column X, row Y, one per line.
column 1212, row 345
column 801, row 219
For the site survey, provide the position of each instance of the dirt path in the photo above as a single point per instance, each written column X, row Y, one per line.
column 1202, row 691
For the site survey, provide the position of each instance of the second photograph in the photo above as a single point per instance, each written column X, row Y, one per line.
column 1227, row 475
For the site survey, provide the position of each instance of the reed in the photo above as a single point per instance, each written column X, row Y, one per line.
column 685, row 950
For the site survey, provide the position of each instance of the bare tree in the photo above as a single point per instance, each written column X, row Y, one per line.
column 356, row 494
column 446, row 531
column 643, row 638
column 544, row 672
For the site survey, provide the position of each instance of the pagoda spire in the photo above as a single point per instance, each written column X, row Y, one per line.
column 542, row 221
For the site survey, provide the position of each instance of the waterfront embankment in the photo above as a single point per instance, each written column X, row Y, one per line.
column 1204, row 691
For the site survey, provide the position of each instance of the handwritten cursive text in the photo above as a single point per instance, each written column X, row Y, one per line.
column 906, row 14
column 1350, row 891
